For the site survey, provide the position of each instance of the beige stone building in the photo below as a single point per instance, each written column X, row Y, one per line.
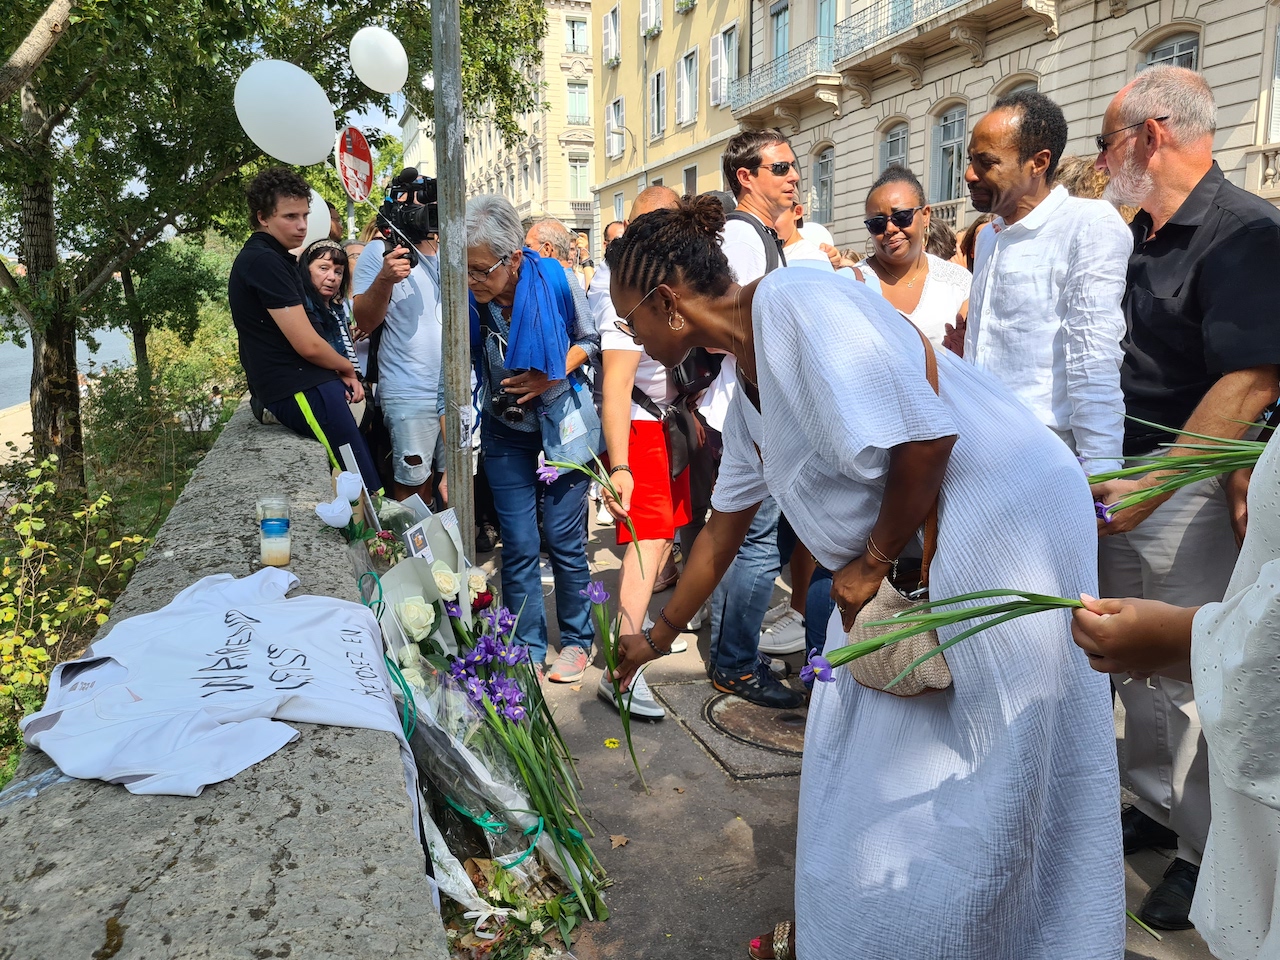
column 664, row 70
column 548, row 172
column 885, row 81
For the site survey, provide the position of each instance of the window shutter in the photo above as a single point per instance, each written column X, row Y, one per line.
column 654, row 127
column 681, row 87
column 622, row 122
column 713, row 73
column 936, row 165
column 606, row 37
column 884, row 152
column 644, row 16
column 693, row 86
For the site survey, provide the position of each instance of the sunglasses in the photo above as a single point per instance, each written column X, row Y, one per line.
column 480, row 276
column 899, row 218
column 1102, row 138
column 624, row 324
column 781, row 168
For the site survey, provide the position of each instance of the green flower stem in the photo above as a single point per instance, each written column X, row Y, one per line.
column 609, row 644
column 601, row 476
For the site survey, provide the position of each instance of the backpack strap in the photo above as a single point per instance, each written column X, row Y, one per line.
column 773, row 255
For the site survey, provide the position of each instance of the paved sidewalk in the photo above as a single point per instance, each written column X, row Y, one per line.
column 709, row 857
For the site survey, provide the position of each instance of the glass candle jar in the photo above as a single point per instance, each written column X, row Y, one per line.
column 273, row 531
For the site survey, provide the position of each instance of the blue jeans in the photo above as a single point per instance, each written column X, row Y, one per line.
column 740, row 602
column 511, row 462
column 817, row 610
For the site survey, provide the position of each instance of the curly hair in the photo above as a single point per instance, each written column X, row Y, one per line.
column 897, row 173
column 680, row 244
column 1041, row 126
column 267, row 189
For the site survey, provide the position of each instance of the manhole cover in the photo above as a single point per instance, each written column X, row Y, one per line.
column 781, row 731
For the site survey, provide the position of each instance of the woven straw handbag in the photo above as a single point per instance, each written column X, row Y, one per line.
column 877, row 670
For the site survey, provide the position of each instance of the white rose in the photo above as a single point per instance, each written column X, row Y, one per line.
column 408, row 657
column 417, row 617
column 414, row 678
column 477, row 582
column 446, row 580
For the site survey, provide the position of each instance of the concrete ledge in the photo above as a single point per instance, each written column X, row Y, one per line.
column 309, row 854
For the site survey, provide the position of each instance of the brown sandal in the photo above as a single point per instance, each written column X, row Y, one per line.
column 784, row 946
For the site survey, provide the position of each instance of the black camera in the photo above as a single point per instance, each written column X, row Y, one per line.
column 411, row 206
column 507, row 407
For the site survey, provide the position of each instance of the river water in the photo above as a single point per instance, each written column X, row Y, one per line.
column 15, row 363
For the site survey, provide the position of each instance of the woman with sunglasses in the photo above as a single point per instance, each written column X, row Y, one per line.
column 530, row 335
column 976, row 823
column 929, row 291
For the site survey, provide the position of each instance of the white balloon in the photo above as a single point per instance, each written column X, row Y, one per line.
column 379, row 60
column 317, row 221
column 285, row 112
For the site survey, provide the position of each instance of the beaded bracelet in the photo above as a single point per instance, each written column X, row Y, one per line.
column 662, row 615
column 620, row 467
column 647, row 633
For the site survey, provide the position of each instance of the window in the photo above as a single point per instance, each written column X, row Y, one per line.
column 687, row 88
column 615, row 135
column 609, row 48
column 691, row 181
column 1026, row 86
column 578, row 173
column 893, row 148
column 524, row 179
column 618, row 212
column 780, row 19
column 537, row 173
column 1180, row 51
column 824, row 186
column 657, row 104
column 655, row 182
column 949, row 156
column 575, row 36
column 724, row 65
column 576, row 108
column 650, row 17
column 826, row 18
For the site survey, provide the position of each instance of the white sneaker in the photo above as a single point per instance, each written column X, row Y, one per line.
column 638, row 698
column 603, row 517
column 786, row 635
column 776, row 612
column 544, row 570
column 699, row 618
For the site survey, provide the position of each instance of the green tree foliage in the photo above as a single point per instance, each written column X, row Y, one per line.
column 126, row 129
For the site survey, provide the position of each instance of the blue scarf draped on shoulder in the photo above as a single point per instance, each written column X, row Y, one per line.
column 542, row 318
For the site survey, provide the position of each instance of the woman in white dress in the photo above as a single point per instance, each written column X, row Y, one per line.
column 931, row 291
column 978, row 823
column 1229, row 651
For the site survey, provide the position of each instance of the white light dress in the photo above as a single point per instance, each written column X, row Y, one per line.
column 982, row 822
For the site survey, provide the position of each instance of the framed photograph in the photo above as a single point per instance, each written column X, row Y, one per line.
column 415, row 540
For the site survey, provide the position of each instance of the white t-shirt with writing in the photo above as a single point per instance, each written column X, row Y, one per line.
column 194, row 693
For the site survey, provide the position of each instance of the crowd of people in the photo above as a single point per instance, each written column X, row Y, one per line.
column 760, row 398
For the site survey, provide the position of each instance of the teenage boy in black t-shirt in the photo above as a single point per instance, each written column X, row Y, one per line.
column 302, row 380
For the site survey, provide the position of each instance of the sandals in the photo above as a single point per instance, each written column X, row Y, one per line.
column 783, row 944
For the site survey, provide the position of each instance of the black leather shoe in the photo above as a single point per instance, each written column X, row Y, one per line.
column 1140, row 832
column 759, row 686
column 1167, row 906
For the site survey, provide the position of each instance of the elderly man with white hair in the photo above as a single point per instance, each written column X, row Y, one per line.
column 1201, row 351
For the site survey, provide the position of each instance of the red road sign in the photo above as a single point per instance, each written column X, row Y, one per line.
column 355, row 163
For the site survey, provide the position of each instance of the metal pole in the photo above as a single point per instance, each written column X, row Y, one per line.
column 446, row 59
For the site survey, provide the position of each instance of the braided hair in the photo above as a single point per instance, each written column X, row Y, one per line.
column 680, row 244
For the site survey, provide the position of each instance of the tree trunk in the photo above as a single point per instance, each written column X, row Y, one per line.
column 139, row 327
column 55, row 388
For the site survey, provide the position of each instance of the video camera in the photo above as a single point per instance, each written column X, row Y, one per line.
column 410, row 210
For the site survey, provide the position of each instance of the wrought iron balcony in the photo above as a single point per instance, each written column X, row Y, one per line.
column 578, row 119
column 576, row 46
column 813, row 57
column 882, row 20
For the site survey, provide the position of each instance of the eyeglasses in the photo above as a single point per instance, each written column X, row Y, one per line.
column 899, row 218
column 480, row 276
column 1101, row 139
column 781, row 168
column 625, row 323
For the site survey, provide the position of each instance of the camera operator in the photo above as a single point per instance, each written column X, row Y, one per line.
column 401, row 298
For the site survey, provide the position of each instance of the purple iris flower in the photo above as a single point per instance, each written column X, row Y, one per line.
column 513, row 712
column 595, row 592
column 548, row 474
column 1104, row 511
column 475, row 690
column 458, row 670
column 453, row 610
column 505, row 622
column 510, row 654
column 479, row 655
column 505, row 690
column 818, row 668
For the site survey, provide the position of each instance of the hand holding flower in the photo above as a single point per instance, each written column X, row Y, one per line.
column 633, row 653
column 1110, row 492
column 618, row 500
column 1134, row 636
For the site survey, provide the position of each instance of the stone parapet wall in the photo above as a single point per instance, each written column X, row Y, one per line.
column 309, row 854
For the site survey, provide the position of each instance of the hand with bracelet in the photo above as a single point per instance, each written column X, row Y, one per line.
column 622, row 480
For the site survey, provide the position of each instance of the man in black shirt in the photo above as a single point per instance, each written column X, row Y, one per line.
column 1201, row 354
column 302, row 380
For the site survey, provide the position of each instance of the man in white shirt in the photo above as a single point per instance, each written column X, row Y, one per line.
column 1044, row 309
column 761, row 170
column 799, row 249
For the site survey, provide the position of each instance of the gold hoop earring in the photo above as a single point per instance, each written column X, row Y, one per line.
column 671, row 320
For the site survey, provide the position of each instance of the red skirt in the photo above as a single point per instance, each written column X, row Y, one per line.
column 659, row 504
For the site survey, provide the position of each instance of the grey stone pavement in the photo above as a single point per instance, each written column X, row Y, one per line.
column 709, row 855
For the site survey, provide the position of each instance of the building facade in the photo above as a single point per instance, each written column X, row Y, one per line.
column 548, row 171
column 663, row 108
column 905, row 80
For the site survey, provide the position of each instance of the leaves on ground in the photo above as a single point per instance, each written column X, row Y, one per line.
column 618, row 840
